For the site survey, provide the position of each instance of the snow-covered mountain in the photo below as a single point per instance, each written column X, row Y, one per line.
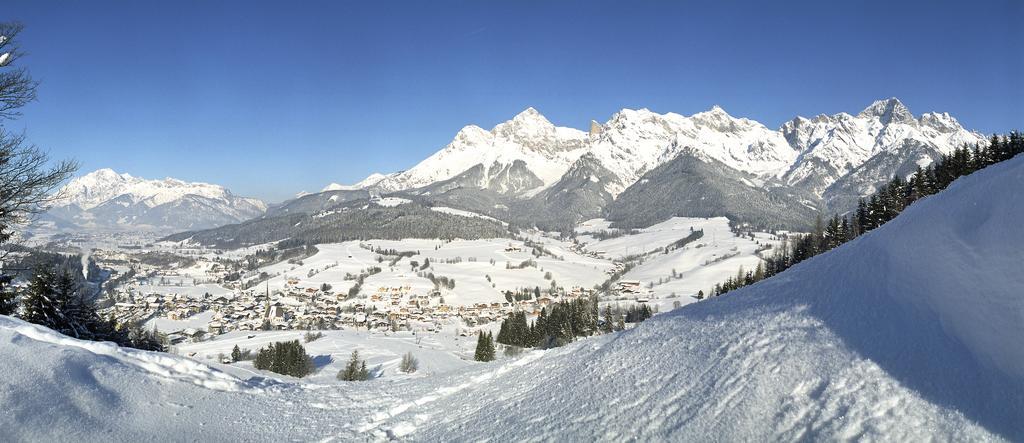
column 827, row 162
column 908, row 333
column 831, row 147
column 808, row 153
column 517, row 156
column 633, row 142
column 108, row 200
column 529, row 172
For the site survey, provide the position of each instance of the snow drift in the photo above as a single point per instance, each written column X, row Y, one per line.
column 911, row 332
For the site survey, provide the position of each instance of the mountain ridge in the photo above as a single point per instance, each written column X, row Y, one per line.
column 826, row 161
column 812, row 153
column 106, row 199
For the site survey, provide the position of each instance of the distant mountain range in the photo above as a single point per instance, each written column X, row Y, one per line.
column 107, row 200
column 636, row 169
column 529, row 171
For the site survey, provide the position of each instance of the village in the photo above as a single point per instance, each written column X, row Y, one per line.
column 302, row 306
column 192, row 294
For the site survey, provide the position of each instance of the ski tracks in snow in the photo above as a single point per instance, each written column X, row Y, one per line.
column 403, row 419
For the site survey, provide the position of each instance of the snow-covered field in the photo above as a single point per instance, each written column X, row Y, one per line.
column 437, row 353
column 197, row 321
column 470, row 263
column 909, row 333
column 676, row 277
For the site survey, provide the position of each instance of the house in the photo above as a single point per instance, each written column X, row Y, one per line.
column 629, row 286
column 215, row 327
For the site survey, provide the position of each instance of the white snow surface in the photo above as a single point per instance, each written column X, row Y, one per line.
column 909, row 333
column 462, row 213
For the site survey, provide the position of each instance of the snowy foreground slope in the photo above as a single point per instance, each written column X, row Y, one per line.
column 910, row 332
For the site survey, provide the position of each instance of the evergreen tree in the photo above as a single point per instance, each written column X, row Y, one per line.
column 39, row 303
column 355, row 370
column 288, row 358
column 608, row 321
column 484, row 347
column 236, row 353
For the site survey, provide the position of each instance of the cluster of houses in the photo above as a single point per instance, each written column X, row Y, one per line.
column 632, row 288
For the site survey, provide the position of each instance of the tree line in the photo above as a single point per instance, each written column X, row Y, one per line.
column 54, row 299
column 874, row 211
column 564, row 321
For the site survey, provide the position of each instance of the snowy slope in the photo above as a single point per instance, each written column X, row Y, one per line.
column 909, row 333
column 106, row 199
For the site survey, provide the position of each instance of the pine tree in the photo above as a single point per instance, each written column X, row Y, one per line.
column 8, row 300
column 608, row 321
column 490, row 347
column 484, row 347
column 355, row 370
column 39, row 304
column 236, row 353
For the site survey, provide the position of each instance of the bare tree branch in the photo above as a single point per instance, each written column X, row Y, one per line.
column 16, row 85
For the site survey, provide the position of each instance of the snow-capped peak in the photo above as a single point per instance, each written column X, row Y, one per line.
column 888, row 111
column 530, row 114
column 546, row 150
column 526, row 126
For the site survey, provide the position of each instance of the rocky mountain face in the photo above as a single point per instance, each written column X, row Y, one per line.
column 107, row 200
column 877, row 142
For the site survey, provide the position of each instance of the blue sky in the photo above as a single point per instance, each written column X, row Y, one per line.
column 273, row 98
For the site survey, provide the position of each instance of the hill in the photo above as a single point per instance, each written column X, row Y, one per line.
column 910, row 332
